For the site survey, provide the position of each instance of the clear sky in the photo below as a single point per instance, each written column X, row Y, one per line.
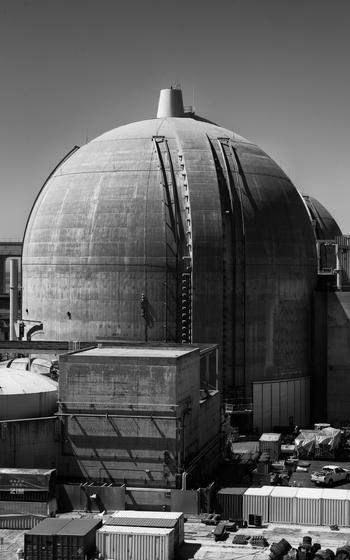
column 275, row 71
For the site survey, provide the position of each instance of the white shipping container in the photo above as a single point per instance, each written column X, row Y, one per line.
column 308, row 506
column 147, row 514
column 256, row 502
column 270, row 443
column 335, row 507
column 282, row 507
column 135, row 543
column 178, row 516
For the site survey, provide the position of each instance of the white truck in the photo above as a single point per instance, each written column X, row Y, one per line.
column 330, row 474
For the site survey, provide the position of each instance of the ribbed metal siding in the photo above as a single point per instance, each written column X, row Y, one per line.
column 141, row 522
column 336, row 508
column 256, row 501
column 282, row 505
column 273, row 448
column 308, row 506
column 229, row 504
column 37, row 508
column 276, row 402
column 19, row 521
column 138, row 546
column 151, row 518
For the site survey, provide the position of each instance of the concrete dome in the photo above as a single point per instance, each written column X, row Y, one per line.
column 24, row 394
column 325, row 226
column 175, row 229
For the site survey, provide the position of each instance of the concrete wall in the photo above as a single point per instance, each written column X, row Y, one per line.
column 128, row 420
column 338, row 349
column 27, row 405
column 30, row 443
column 77, row 497
column 318, row 387
column 209, row 418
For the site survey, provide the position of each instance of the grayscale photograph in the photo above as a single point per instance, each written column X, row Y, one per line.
column 174, row 280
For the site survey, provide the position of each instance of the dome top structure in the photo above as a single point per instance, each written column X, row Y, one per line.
column 16, row 382
column 325, row 226
column 24, row 394
column 175, row 229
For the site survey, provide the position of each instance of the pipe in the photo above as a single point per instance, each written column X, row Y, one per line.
column 111, row 404
column 107, row 415
column 338, row 269
column 193, row 463
column 2, row 275
column 13, row 298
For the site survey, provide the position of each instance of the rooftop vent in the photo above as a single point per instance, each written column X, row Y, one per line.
column 170, row 103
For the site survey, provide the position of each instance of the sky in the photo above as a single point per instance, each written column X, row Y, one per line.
column 274, row 71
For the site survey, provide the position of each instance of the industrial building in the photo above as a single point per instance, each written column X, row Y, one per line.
column 177, row 230
column 198, row 280
column 140, row 415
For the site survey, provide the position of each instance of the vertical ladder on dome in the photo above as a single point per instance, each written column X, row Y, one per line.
column 174, row 236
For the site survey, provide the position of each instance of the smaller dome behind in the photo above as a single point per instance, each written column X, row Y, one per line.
column 325, row 226
column 24, row 394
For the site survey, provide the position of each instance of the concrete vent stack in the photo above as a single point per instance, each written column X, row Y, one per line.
column 170, row 103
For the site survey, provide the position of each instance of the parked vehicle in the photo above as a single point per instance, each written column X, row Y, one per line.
column 330, row 474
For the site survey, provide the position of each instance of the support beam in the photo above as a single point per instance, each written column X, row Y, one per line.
column 13, row 297
column 2, row 274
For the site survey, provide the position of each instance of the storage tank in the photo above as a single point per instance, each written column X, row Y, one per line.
column 24, row 394
column 176, row 229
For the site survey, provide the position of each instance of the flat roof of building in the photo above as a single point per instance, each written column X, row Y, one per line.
column 136, row 352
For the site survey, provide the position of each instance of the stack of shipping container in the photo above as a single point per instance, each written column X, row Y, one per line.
column 61, row 539
column 141, row 534
column 286, row 504
column 26, row 496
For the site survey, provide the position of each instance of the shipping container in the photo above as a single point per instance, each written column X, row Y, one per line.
column 256, row 502
column 135, row 543
column 36, row 508
column 229, row 502
column 308, row 506
column 270, row 443
column 40, row 542
column 23, row 481
column 156, row 519
column 282, row 506
column 77, row 539
column 19, row 522
column 335, row 507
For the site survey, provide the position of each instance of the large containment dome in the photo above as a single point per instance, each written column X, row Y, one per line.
column 325, row 226
column 24, row 394
column 176, row 229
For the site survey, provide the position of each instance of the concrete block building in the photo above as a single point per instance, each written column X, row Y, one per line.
column 138, row 415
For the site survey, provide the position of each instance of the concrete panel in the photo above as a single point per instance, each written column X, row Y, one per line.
column 30, row 443
column 131, row 414
column 186, row 501
column 76, row 497
column 209, row 418
column 148, row 499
